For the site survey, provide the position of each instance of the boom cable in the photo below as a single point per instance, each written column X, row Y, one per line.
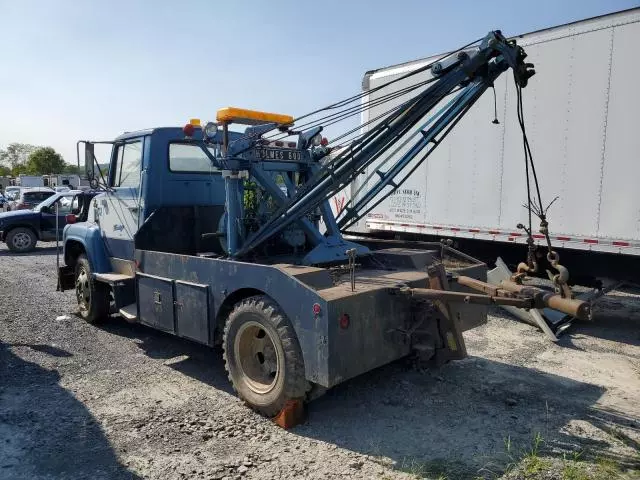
column 539, row 210
column 341, row 104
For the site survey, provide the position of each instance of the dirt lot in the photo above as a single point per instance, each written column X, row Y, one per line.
column 121, row 401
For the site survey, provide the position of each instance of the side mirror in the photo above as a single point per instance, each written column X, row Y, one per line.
column 89, row 163
column 45, row 209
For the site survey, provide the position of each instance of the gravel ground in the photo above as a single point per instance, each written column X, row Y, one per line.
column 122, row 401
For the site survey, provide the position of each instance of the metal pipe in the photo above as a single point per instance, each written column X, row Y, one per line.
column 472, row 298
column 544, row 299
column 59, row 288
column 225, row 138
column 539, row 297
column 233, row 209
column 476, row 284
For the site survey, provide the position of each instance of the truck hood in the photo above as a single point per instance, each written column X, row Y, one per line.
column 16, row 214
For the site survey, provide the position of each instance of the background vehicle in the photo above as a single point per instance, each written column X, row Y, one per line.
column 29, row 198
column 71, row 181
column 11, row 194
column 30, row 181
column 581, row 118
column 11, row 191
column 21, row 229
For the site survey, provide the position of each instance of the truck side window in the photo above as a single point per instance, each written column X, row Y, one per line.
column 184, row 157
column 128, row 160
column 65, row 205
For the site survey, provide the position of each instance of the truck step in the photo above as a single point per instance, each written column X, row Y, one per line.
column 130, row 312
column 113, row 278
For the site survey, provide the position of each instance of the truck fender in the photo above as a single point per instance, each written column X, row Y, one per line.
column 80, row 236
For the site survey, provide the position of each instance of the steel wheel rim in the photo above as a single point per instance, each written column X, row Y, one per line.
column 21, row 240
column 83, row 290
column 257, row 357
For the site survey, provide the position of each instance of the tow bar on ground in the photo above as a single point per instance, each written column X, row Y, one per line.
column 552, row 321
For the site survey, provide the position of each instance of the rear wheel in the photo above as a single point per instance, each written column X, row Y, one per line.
column 92, row 296
column 262, row 356
column 21, row 240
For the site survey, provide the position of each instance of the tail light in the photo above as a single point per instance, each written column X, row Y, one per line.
column 71, row 218
column 190, row 128
column 21, row 206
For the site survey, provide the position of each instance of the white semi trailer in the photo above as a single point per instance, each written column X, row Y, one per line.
column 62, row 180
column 581, row 112
column 30, row 181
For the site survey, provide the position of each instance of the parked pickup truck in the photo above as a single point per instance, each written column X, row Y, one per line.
column 21, row 229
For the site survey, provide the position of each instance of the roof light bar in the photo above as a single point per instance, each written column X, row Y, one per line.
column 251, row 117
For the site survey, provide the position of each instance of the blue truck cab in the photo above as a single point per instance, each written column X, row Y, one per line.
column 151, row 171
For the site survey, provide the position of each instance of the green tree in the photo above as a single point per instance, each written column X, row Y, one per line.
column 19, row 169
column 15, row 156
column 71, row 169
column 4, row 171
column 45, row 160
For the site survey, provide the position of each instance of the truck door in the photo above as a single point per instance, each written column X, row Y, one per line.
column 65, row 205
column 118, row 209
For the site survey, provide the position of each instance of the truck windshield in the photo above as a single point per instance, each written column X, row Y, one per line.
column 65, row 201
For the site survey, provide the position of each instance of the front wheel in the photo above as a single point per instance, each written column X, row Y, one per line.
column 21, row 240
column 92, row 296
column 262, row 356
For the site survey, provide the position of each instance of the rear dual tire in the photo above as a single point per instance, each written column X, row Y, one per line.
column 263, row 357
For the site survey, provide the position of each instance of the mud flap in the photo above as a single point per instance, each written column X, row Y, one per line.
column 66, row 278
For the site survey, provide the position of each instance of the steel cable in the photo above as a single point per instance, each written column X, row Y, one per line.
column 356, row 97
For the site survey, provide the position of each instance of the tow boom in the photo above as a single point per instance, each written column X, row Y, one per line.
column 467, row 75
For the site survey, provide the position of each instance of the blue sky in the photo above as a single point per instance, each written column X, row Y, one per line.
column 93, row 69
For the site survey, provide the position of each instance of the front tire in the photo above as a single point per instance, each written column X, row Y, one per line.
column 262, row 356
column 21, row 240
column 92, row 296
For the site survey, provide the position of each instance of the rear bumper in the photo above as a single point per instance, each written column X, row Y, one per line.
column 373, row 325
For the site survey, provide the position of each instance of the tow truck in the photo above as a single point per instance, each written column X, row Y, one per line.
column 226, row 237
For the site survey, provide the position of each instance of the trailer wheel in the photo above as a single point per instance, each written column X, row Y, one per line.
column 92, row 296
column 21, row 240
column 262, row 356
